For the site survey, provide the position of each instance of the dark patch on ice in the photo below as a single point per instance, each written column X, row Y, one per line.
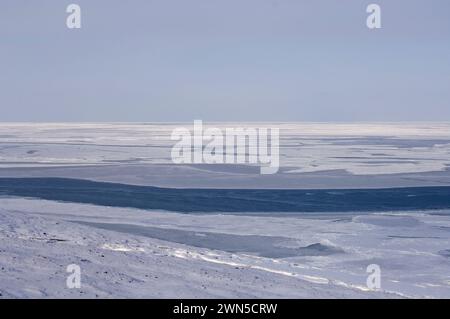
column 343, row 220
column 387, row 141
column 445, row 253
column 130, row 160
column 318, row 249
column 390, row 162
column 55, row 240
column 445, row 228
column 265, row 246
column 227, row 168
column 50, row 240
column 379, row 154
column 414, row 237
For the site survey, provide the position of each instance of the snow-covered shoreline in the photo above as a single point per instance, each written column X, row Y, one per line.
column 40, row 238
column 36, row 251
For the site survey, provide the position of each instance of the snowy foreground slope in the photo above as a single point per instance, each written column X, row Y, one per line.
column 36, row 251
column 39, row 239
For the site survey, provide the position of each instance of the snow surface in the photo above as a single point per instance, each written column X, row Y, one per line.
column 40, row 238
column 317, row 155
column 364, row 148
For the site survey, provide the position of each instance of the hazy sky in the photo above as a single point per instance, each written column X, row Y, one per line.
column 224, row 60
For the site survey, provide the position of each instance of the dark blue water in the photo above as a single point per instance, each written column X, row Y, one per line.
column 227, row 200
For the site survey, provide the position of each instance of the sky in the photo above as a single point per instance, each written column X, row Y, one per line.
column 224, row 60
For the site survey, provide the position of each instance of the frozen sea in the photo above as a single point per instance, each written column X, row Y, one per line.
column 107, row 197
